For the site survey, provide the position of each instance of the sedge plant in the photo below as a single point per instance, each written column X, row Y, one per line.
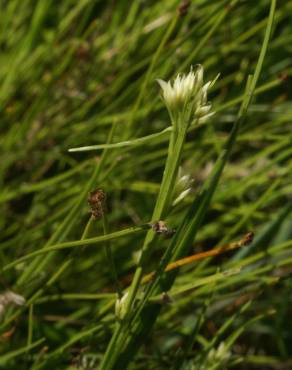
column 76, row 74
column 187, row 105
column 186, row 100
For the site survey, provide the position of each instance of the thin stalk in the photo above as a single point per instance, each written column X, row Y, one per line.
column 161, row 208
column 78, row 243
column 129, row 143
column 203, row 255
column 162, row 204
column 76, row 296
column 30, row 325
column 110, row 257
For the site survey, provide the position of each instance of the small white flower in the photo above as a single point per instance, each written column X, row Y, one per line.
column 176, row 95
column 219, row 355
column 182, row 196
column 120, row 307
column 202, row 111
column 8, row 298
column 11, row 298
column 183, row 187
column 187, row 94
column 205, row 118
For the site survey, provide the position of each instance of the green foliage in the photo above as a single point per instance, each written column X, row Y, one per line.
column 81, row 74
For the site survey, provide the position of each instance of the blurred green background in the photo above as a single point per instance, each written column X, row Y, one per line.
column 69, row 71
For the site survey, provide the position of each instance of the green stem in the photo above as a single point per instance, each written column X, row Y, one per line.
column 110, row 257
column 163, row 203
column 78, row 243
column 30, row 325
column 160, row 210
column 134, row 142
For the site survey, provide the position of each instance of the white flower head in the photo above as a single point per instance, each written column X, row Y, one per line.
column 183, row 186
column 10, row 298
column 120, row 306
column 187, row 93
column 177, row 94
column 219, row 355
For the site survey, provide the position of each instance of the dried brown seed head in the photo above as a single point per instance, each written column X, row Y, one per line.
column 248, row 238
column 160, row 227
column 184, row 7
column 96, row 201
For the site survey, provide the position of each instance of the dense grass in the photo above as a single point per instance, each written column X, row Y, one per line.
column 77, row 74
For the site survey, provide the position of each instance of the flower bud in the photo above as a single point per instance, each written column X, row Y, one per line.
column 120, row 307
column 183, row 187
